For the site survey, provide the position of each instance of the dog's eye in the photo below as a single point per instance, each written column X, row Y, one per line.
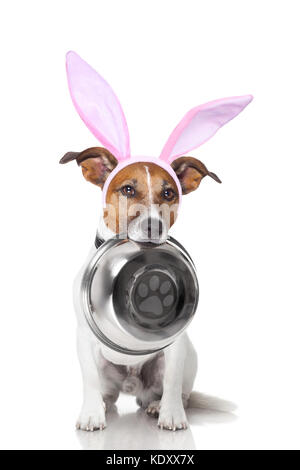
column 168, row 194
column 128, row 190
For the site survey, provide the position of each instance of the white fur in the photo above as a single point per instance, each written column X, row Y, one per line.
column 149, row 184
column 149, row 210
column 173, row 375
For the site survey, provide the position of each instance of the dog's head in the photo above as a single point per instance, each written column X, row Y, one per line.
column 142, row 198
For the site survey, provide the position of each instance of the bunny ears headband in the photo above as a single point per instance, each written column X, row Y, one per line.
column 100, row 110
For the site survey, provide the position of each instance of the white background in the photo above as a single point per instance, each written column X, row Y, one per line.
column 162, row 58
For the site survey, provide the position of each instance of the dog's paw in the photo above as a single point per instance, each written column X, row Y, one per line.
column 172, row 417
column 92, row 420
column 153, row 409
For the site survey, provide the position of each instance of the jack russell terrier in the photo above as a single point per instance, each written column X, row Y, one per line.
column 134, row 191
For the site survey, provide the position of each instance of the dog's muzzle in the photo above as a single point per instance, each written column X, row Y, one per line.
column 138, row 297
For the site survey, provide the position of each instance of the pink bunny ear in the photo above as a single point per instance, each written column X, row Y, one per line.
column 98, row 106
column 200, row 124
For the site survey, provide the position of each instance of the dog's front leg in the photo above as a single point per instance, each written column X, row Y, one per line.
column 92, row 415
column 172, row 415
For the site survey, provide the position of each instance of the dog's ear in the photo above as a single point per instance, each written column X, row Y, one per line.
column 96, row 163
column 190, row 172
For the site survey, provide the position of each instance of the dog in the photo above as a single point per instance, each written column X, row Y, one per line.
column 140, row 199
column 163, row 382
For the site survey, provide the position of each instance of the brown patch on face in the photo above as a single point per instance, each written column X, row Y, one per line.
column 140, row 185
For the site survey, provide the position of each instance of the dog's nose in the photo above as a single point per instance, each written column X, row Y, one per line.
column 153, row 227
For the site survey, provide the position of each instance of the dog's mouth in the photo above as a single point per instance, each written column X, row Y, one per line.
column 148, row 230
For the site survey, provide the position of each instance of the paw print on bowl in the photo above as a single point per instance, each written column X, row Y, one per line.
column 156, row 295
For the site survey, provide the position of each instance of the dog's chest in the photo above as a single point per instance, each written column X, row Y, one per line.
column 124, row 359
column 135, row 378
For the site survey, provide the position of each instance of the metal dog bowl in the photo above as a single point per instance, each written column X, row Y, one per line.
column 138, row 297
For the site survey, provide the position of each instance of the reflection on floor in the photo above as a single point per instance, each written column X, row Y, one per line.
column 136, row 430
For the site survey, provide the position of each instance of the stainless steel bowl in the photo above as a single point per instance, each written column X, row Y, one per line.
column 138, row 297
